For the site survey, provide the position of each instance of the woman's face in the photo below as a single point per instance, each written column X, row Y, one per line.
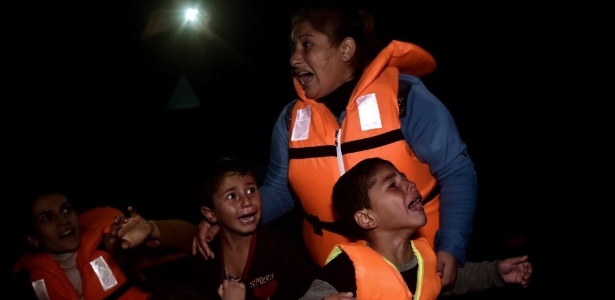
column 56, row 225
column 318, row 66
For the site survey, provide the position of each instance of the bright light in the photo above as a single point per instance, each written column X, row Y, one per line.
column 191, row 14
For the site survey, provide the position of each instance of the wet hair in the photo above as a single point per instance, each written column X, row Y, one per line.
column 339, row 20
column 216, row 171
column 351, row 194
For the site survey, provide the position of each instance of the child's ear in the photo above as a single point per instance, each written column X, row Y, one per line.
column 32, row 241
column 364, row 219
column 209, row 214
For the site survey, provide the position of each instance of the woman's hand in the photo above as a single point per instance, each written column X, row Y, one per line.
column 447, row 268
column 131, row 231
column 205, row 233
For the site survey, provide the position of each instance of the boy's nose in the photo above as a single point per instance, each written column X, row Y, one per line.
column 246, row 200
column 411, row 186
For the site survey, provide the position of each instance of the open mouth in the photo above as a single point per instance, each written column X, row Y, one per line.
column 304, row 77
column 67, row 233
column 247, row 218
column 416, row 203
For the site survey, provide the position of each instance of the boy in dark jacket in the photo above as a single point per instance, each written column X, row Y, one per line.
column 268, row 263
column 382, row 210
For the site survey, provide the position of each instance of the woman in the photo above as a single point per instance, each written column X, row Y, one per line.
column 77, row 256
column 359, row 100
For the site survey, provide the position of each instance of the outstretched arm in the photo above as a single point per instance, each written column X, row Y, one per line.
column 128, row 232
column 431, row 132
column 480, row 276
column 136, row 230
column 516, row 270
column 322, row 290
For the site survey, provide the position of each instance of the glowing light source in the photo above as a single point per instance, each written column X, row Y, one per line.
column 191, row 14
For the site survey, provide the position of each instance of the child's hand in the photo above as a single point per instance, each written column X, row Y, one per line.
column 516, row 270
column 232, row 290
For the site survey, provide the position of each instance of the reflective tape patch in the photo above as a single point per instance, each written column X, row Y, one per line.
column 104, row 273
column 301, row 130
column 369, row 113
column 40, row 289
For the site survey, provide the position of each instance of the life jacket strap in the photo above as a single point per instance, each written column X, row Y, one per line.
column 120, row 291
column 318, row 226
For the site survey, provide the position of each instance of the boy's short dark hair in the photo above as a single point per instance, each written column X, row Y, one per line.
column 217, row 170
column 351, row 194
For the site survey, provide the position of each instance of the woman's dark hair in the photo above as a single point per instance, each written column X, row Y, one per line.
column 351, row 194
column 26, row 197
column 339, row 20
column 216, row 171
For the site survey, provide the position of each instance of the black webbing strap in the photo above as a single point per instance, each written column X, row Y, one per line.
column 119, row 292
column 318, row 226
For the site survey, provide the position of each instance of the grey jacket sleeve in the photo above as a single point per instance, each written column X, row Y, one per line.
column 318, row 290
column 476, row 277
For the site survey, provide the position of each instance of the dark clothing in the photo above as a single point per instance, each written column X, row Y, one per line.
column 277, row 268
column 337, row 270
column 473, row 277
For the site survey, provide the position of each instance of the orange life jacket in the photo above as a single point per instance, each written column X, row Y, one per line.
column 100, row 274
column 377, row 278
column 321, row 149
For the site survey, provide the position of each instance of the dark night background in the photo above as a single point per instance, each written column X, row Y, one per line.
column 87, row 108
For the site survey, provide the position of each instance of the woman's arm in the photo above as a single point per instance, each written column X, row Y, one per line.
column 275, row 191
column 431, row 131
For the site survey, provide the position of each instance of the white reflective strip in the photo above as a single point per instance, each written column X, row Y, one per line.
column 369, row 114
column 40, row 289
column 301, row 129
column 104, row 273
column 338, row 151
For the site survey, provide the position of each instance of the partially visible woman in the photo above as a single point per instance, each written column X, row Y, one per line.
column 359, row 98
column 77, row 256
